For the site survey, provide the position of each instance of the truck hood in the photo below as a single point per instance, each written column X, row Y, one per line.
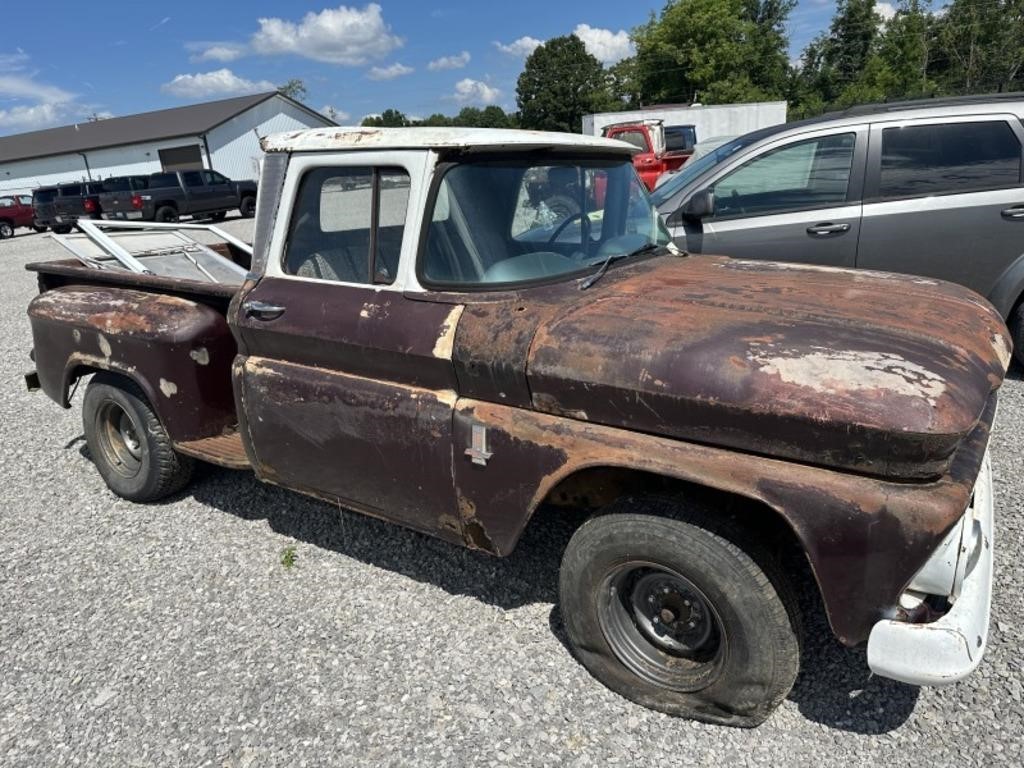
column 869, row 371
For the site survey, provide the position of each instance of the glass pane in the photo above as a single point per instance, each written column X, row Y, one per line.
column 636, row 138
column 393, row 205
column 192, row 178
column 6, row 202
column 72, row 190
column 329, row 234
column 943, row 159
column 808, row 174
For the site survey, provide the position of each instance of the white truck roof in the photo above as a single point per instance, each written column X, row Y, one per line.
column 467, row 139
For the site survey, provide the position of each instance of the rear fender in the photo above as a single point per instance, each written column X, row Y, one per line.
column 178, row 351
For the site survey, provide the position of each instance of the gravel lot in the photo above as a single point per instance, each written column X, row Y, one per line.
column 172, row 634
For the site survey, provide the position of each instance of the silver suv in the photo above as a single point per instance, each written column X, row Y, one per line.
column 930, row 188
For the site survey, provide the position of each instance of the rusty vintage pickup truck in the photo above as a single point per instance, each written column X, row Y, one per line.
column 419, row 337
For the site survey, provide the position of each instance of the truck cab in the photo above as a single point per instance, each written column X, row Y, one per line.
column 457, row 329
column 661, row 150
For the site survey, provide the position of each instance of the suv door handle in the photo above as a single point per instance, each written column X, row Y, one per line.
column 1013, row 212
column 828, row 229
column 261, row 310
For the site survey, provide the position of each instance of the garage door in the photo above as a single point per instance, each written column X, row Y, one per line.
column 186, row 158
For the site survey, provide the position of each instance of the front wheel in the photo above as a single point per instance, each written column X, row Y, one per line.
column 62, row 229
column 6, row 230
column 39, row 228
column 128, row 443
column 680, row 612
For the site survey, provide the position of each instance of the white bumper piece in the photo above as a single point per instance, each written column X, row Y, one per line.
column 948, row 649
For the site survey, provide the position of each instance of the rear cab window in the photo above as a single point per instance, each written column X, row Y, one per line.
column 947, row 158
column 347, row 225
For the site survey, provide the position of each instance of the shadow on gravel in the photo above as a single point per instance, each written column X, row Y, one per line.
column 834, row 688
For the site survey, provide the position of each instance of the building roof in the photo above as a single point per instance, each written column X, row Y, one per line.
column 468, row 139
column 192, row 120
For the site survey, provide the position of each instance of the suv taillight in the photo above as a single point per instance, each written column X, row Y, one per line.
column 89, row 205
column 137, row 202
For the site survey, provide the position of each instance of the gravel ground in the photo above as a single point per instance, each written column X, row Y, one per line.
column 172, row 634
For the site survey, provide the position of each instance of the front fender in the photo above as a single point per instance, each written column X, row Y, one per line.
column 178, row 351
column 1008, row 288
column 865, row 538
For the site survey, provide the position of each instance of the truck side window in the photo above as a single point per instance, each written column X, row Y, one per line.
column 922, row 160
column 347, row 225
column 192, row 179
column 636, row 138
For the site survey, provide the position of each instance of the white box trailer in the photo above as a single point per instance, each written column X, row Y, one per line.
column 708, row 121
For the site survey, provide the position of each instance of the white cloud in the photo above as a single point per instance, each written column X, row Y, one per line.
column 524, row 46
column 341, row 35
column 215, row 51
column 389, row 72
column 35, row 104
column 885, row 10
column 22, row 87
column 339, row 116
column 606, row 46
column 31, row 117
column 160, row 23
column 470, row 91
column 449, row 62
column 220, row 82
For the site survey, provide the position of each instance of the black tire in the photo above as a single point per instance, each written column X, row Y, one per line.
column 166, row 214
column 62, row 229
column 1017, row 332
column 6, row 230
column 680, row 611
column 128, row 443
column 39, row 229
column 218, row 216
column 247, row 207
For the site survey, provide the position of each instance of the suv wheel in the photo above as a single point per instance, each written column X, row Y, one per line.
column 6, row 230
column 128, row 444
column 679, row 610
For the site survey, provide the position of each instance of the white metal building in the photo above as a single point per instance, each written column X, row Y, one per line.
column 708, row 121
column 223, row 135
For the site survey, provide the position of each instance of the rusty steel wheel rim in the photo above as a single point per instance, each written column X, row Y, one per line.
column 120, row 439
column 661, row 626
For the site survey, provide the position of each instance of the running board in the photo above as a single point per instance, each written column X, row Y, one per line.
column 223, row 450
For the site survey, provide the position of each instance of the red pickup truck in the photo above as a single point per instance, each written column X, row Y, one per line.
column 657, row 156
column 419, row 338
column 16, row 211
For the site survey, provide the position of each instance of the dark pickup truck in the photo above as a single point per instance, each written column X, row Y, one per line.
column 60, row 206
column 168, row 196
column 419, row 341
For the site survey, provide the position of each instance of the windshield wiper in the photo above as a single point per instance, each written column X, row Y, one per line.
column 589, row 281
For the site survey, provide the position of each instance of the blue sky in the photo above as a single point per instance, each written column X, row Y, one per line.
column 119, row 57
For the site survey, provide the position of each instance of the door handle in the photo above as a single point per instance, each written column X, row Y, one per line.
column 828, row 229
column 1013, row 212
column 261, row 310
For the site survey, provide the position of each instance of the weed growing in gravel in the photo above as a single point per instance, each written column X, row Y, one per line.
column 288, row 557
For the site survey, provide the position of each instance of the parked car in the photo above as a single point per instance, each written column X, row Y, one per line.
column 421, row 341
column 60, row 206
column 662, row 150
column 16, row 211
column 167, row 196
column 931, row 188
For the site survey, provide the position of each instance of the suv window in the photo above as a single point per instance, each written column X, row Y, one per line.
column 806, row 174
column 924, row 160
column 44, row 195
column 347, row 225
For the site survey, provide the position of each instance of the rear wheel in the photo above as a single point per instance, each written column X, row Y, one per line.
column 218, row 216
column 39, row 228
column 6, row 230
column 62, row 229
column 128, row 443
column 677, row 610
column 248, row 207
column 166, row 214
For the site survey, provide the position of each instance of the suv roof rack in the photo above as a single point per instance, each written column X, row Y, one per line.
column 944, row 101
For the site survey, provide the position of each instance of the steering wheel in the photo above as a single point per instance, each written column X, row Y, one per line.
column 565, row 222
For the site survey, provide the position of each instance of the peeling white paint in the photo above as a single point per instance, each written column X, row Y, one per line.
column 168, row 387
column 1002, row 349
column 839, row 372
column 104, row 345
column 201, row 355
column 446, row 339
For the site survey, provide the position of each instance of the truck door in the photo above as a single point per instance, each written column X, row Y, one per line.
column 201, row 197
column 345, row 379
column 647, row 163
column 222, row 191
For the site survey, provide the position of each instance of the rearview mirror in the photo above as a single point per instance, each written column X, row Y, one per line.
column 700, row 205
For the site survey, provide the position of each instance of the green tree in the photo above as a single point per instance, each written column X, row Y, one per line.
column 559, row 84
column 905, row 48
column 981, row 43
column 389, row 118
column 294, row 89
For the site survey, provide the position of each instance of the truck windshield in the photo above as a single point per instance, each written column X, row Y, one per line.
column 502, row 222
